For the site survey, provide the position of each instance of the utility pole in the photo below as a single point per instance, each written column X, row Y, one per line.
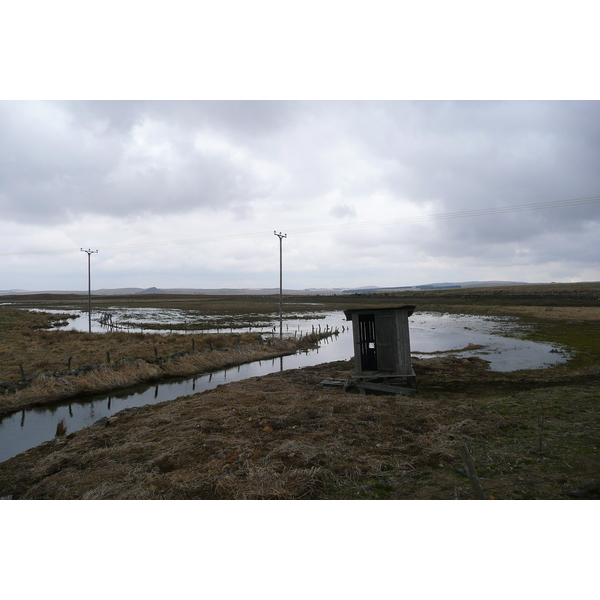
column 89, row 253
column 280, row 236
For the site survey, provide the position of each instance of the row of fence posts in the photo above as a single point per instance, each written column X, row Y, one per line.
column 108, row 358
column 106, row 320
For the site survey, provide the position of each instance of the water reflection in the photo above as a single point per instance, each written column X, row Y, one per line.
column 429, row 333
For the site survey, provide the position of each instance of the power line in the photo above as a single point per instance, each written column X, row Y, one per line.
column 456, row 215
column 322, row 228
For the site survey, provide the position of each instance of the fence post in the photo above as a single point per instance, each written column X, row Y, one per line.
column 471, row 472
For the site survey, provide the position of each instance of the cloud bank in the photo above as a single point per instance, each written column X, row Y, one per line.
column 126, row 176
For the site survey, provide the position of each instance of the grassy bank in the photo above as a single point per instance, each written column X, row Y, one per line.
column 39, row 367
column 26, row 341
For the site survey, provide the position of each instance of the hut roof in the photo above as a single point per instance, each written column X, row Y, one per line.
column 348, row 312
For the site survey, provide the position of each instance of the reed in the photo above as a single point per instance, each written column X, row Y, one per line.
column 61, row 429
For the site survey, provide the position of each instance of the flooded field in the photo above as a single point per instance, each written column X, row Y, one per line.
column 173, row 320
column 530, row 418
column 491, row 338
column 431, row 333
column 496, row 338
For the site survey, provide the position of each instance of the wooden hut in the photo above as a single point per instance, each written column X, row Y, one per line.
column 382, row 347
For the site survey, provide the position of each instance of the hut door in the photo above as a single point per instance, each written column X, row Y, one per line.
column 368, row 350
column 386, row 343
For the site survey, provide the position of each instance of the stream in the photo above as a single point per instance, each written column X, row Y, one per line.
column 431, row 334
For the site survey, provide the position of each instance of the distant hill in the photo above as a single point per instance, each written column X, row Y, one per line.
column 436, row 286
column 266, row 291
column 114, row 292
column 216, row 291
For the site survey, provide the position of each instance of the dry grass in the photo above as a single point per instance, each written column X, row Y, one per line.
column 63, row 364
column 49, row 388
column 285, row 436
column 40, row 351
column 61, row 428
column 278, row 437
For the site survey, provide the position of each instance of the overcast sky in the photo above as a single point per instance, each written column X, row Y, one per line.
column 124, row 177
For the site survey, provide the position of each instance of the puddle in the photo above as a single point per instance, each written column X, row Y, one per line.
column 149, row 320
column 440, row 334
column 430, row 333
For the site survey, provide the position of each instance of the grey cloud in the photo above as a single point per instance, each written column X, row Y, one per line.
column 240, row 119
column 116, row 116
column 342, row 210
column 54, row 163
column 61, row 158
column 470, row 155
column 250, row 118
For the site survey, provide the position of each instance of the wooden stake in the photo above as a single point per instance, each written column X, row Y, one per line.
column 542, row 425
column 471, row 472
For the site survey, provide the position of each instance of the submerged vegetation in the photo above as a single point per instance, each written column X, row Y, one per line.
column 533, row 434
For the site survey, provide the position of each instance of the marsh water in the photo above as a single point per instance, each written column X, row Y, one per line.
column 431, row 333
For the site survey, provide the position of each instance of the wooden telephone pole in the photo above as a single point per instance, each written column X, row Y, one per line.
column 280, row 236
column 89, row 253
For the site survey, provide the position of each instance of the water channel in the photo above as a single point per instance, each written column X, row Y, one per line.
column 431, row 333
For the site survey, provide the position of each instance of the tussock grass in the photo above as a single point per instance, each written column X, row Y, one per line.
column 278, row 437
column 284, row 436
column 40, row 351
column 212, row 352
column 47, row 389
